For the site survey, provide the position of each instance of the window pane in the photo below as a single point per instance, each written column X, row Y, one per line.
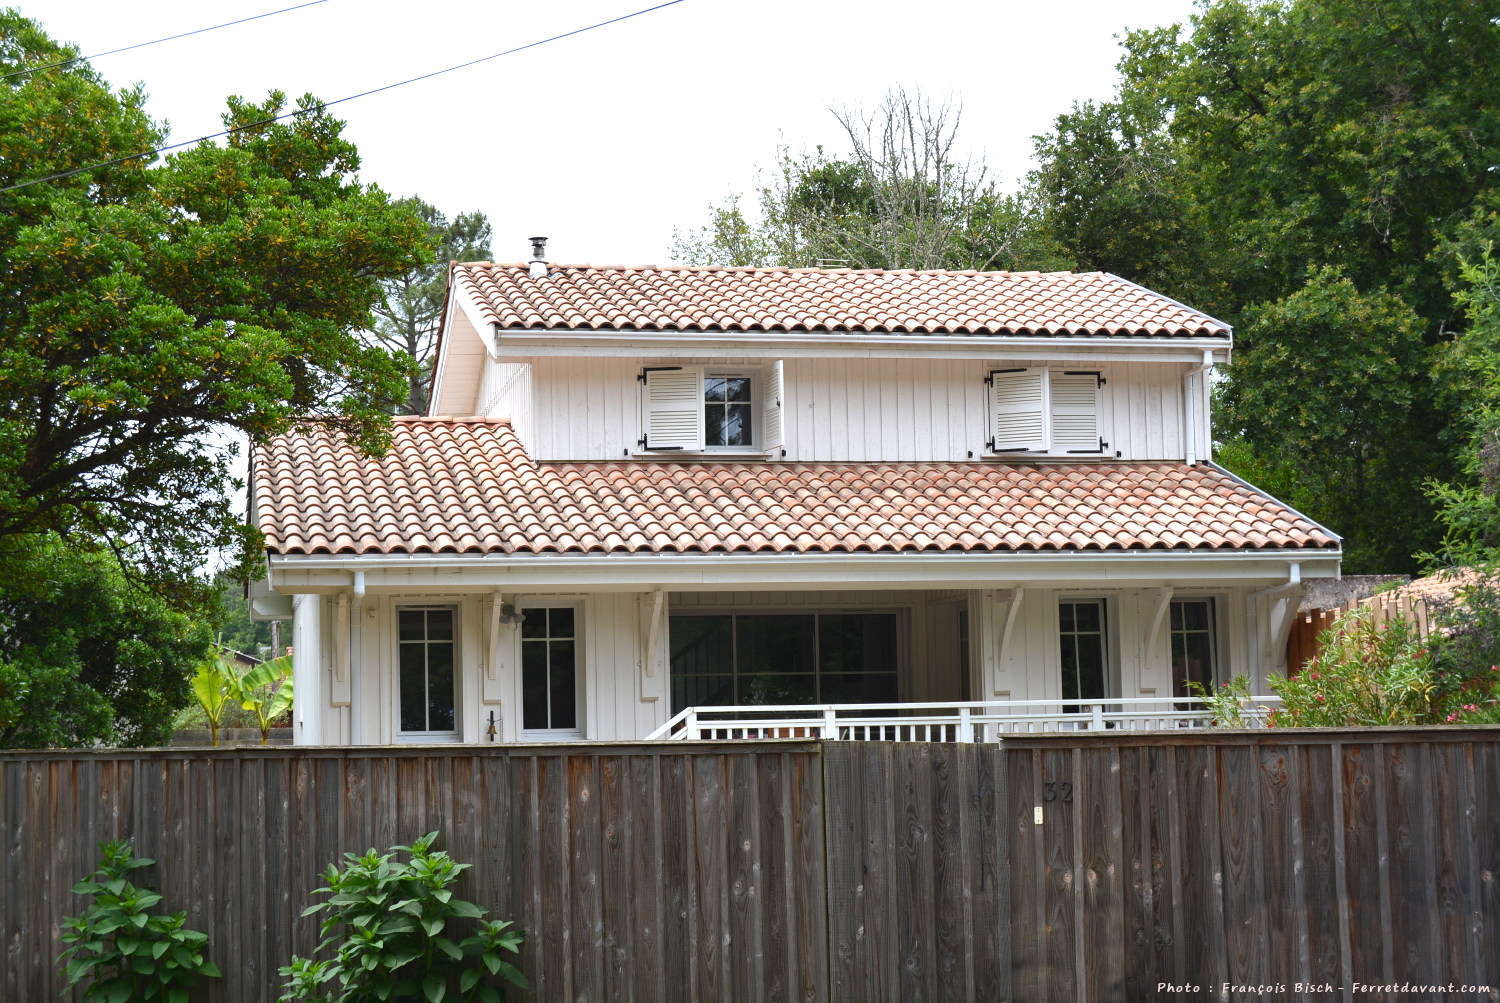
column 714, row 388
column 413, row 671
column 560, row 622
column 774, row 645
column 737, row 425
column 1193, row 614
column 564, row 696
column 1086, row 616
column 702, row 644
column 737, row 388
column 534, row 685
column 856, row 642
column 1065, row 619
column 535, row 624
column 701, row 691
column 774, row 688
column 439, row 624
column 440, row 685
column 860, row 688
column 411, row 625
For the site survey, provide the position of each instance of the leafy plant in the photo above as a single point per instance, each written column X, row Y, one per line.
column 265, row 690
column 1364, row 674
column 212, row 684
column 125, row 951
column 392, row 926
column 1231, row 703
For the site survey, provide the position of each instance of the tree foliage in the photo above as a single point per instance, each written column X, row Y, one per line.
column 407, row 320
column 1276, row 164
column 150, row 303
column 87, row 656
column 902, row 196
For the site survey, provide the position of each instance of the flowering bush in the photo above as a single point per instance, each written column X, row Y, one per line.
column 1363, row 675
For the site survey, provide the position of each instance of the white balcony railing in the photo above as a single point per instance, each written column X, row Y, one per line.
column 948, row 722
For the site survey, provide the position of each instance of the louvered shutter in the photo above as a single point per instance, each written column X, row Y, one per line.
column 768, row 392
column 674, row 408
column 1018, row 409
column 1075, row 413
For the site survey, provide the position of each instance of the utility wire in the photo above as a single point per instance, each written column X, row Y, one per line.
column 169, row 38
column 329, row 104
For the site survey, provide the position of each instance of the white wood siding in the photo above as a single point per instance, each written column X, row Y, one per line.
column 505, row 392
column 841, row 409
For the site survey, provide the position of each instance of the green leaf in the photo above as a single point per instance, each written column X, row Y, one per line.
column 434, row 988
column 120, row 992
column 468, row 980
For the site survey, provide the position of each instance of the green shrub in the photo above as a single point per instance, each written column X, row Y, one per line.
column 392, row 926
column 125, row 951
column 1230, row 703
column 1469, row 648
column 1364, row 674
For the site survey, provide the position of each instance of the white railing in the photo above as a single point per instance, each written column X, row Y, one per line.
column 948, row 722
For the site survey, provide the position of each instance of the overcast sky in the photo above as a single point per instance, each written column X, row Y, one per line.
column 605, row 141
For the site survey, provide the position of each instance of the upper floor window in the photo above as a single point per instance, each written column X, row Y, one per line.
column 711, row 408
column 1045, row 411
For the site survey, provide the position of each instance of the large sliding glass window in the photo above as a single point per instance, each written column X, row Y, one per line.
column 783, row 658
column 425, row 660
column 549, row 669
column 1082, row 637
column 1194, row 653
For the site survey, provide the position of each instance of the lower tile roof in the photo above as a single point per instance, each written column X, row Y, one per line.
column 466, row 486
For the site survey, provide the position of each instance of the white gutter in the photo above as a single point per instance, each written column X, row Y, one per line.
column 656, row 559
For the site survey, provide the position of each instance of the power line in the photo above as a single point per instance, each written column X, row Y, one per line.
column 169, row 38
column 329, row 104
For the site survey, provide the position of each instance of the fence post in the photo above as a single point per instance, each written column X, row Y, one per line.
column 830, row 723
column 965, row 726
column 690, row 726
column 1098, row 724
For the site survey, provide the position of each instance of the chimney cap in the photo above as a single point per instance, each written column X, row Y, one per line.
column 538, row 268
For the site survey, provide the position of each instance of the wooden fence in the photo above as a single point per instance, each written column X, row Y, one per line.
column 1419, row 609
column 1054, row 867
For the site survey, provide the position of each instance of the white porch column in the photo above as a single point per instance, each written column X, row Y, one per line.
column 309, row 706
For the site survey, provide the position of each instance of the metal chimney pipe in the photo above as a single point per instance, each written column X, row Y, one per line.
column 538, row 257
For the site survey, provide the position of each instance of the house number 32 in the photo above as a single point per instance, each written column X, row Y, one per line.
column 1058, row 790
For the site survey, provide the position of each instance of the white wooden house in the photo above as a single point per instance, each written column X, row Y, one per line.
column 647, row 489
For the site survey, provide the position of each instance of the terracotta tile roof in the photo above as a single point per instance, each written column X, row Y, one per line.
column 649, row 298
column 467, row 486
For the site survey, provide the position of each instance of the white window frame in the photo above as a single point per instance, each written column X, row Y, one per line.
column 580, row 673
column 430, row 737
column 767, row 390
column 1036, row 430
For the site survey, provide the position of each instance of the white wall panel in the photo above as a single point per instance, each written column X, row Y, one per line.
column 836, row 409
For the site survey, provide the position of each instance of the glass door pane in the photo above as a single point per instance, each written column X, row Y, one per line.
column 549, row 669
column 1081, row 633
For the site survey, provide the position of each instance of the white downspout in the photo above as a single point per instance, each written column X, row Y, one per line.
column 1190, row 437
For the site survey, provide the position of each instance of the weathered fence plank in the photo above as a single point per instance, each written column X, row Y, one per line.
column 802, row 871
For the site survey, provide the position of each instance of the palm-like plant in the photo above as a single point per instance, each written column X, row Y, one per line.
column 266, row 691
column 213, row 686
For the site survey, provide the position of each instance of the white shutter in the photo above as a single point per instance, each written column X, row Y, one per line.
column 768, row 392
column 674, row 408
column 1075, row 412
column 1018, row 410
